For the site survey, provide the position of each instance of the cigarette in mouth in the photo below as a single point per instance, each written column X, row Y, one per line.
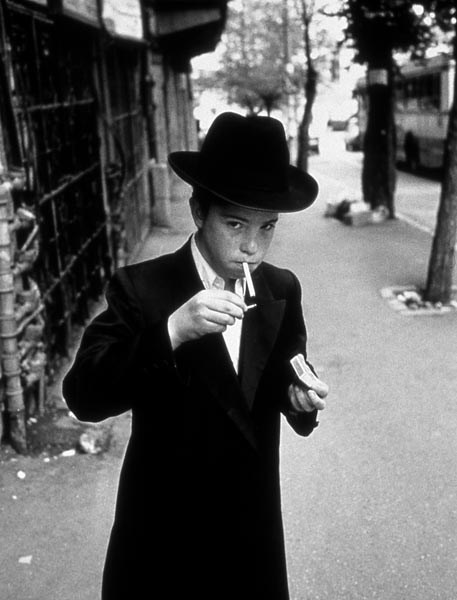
column 247, row 274
column 249, row 283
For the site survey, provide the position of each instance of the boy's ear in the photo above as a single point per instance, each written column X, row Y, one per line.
column 197, row 212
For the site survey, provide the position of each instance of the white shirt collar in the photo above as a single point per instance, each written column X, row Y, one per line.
column 209, row 277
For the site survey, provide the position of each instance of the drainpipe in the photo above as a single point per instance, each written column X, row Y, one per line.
column 11, row 371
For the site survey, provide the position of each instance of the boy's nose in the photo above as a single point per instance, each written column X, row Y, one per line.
column 249, row 246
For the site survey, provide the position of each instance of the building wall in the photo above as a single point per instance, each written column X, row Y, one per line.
column 175, row 129
column 90, row 129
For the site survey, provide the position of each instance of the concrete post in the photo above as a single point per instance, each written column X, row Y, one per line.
column 191, row 123
column 160, row 183
column 157, row 74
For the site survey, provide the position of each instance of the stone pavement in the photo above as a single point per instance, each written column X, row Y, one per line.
column 369, row 499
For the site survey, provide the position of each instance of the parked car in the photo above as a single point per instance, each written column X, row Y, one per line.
column 313, row 140
column 353, row 136
column 317, row 130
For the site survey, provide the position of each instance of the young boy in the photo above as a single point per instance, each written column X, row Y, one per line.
column 201, row 356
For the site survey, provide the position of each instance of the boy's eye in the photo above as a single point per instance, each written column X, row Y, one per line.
column 269, row 226
column 234, row 224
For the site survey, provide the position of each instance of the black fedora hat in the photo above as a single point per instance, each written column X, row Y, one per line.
column 245, row 161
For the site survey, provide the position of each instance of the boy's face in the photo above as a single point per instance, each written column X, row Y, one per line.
column 229, row 235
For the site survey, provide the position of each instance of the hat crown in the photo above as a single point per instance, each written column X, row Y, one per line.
column 246, row 152
column 245, row 161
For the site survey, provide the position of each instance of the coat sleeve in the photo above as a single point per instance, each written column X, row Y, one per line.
column 116, row 353
column 303, row 423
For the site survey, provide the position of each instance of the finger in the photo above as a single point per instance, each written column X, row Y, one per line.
column 315, row 384
column 309, row 400
column 299, row 399
column 206, row 302
column 226, row 307
column 320, row 387
column 216, row 317
column 235, row 299
column 293, row 398
column 228, row 297
column 315, row 400
column 302, row 398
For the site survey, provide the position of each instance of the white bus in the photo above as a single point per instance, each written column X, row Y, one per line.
column 424, row 92
column 423, row 98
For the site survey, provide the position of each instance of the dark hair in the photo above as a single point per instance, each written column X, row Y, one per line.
column 205, row 199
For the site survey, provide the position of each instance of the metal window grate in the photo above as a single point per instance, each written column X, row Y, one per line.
column 123, row 66
column 57, row 114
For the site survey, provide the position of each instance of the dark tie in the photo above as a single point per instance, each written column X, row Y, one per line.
column 230, row 285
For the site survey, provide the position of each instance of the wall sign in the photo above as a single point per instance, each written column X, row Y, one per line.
column 377, row 77
column 124, row 18
column 81, row 10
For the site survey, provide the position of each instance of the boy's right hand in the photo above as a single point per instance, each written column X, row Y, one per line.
column 209, row 311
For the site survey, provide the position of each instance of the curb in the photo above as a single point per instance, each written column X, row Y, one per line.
column 391, row 295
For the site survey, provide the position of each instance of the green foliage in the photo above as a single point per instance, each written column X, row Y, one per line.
column 442, row 14
column 253, row 60
column 264, row 58
column 378, row 28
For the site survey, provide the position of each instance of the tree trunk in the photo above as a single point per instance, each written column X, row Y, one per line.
column 442, row 257
column 310, row 91
column 378, row 172
column 303, row 129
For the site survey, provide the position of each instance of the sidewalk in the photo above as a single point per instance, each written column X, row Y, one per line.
column 368, row 500
column 162, row 240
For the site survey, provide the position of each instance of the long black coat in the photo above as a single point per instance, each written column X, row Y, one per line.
column 198, row 512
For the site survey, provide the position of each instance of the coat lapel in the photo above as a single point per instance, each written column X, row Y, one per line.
column 184, row 282
column 212, row 366
column 260, row 330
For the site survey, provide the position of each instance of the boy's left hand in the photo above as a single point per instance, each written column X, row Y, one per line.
column 307, row 399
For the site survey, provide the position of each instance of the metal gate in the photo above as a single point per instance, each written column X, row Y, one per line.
column 128, row 149
column 53, row 64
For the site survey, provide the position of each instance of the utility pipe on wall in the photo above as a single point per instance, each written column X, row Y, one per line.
column 11, row 371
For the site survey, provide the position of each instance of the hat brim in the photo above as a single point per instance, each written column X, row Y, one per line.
column 302, row 192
